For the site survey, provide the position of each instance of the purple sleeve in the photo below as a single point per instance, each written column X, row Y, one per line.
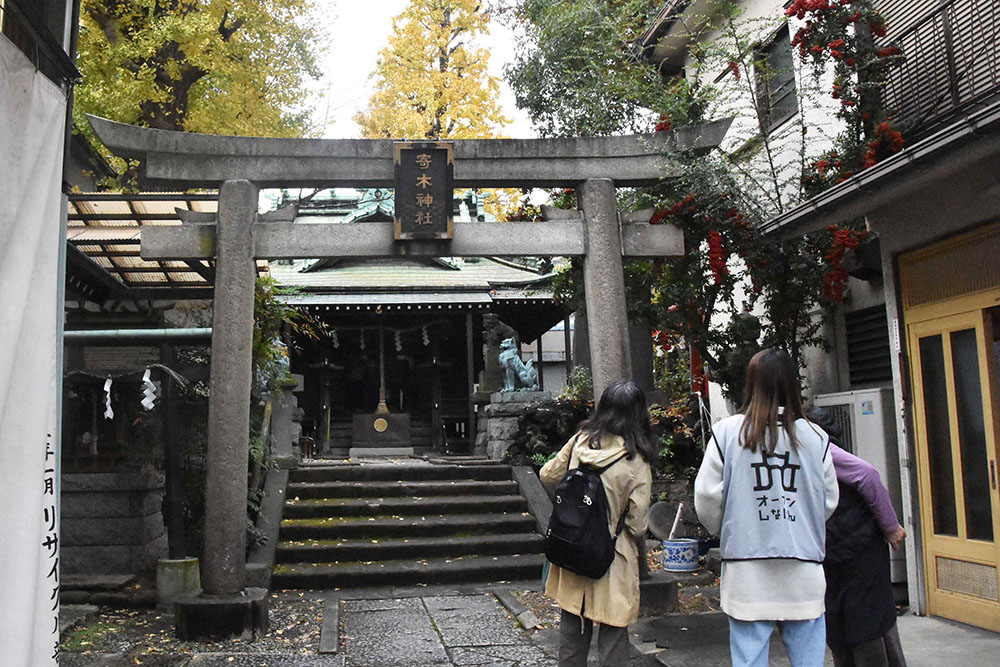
column 860, row 474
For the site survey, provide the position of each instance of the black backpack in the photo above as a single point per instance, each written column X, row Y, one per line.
column 578, row 538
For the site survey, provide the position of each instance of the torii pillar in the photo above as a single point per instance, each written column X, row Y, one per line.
column 604, row 285
column 224, row 564
column 227, row 607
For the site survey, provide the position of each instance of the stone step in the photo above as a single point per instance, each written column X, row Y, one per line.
column 409, row 572
column 365, row 507
column 397, row 472
column 400, row 527
column 413, row 489
column 345, row 551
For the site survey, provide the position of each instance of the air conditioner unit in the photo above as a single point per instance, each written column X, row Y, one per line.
column 868, row 420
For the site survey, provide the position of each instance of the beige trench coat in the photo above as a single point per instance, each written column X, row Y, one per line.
column 614, row 598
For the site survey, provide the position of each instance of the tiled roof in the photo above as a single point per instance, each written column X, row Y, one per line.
column 409, row 274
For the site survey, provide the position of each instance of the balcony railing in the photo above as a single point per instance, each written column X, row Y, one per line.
column 952, row 64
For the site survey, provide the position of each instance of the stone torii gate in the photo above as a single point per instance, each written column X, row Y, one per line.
column 239, row 166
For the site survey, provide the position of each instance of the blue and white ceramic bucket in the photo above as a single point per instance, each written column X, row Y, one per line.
column 680, row 554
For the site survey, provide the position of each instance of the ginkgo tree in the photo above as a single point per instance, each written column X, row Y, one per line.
column 216, row 66
column 431, row 79
column 433, row 82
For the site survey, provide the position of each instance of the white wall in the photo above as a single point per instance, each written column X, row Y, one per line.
column 787, row 142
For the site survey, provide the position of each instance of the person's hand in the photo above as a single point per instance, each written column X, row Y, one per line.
column 896, row 537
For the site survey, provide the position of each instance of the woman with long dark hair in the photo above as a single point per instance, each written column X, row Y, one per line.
column 767, row 486
column 617, row 437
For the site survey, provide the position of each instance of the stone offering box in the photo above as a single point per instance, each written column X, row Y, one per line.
column 381, row 435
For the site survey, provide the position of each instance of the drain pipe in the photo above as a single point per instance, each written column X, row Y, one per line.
column 87, row 335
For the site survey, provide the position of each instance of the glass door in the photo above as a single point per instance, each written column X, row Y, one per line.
column 953, row 364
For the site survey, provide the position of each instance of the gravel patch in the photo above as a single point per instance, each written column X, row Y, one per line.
column 543, row 607
column 146, row 636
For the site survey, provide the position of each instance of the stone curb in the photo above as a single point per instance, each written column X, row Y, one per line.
column 524, row 616
column 531, row 488
column 260, row 563
column 329, row 634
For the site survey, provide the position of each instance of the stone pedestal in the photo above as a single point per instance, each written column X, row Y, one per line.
column 285, row 431
column 501, row 418
column 177, row 579
column 111, row 523
column 243, row 615
column 658, row 594
column 492, row 377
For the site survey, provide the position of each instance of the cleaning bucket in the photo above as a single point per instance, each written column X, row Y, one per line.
column 680, row 554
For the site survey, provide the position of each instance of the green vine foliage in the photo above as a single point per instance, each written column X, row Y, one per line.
column 272, row 317
column 579, row 386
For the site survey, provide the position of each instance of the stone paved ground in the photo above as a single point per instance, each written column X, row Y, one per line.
column 455, row 630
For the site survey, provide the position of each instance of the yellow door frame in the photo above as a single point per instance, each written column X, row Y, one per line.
column 941, row 318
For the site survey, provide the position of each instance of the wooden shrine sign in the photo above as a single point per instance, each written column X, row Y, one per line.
column 424, row 185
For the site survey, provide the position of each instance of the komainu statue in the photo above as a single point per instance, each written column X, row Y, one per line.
column 516, row 372
column 495, row 330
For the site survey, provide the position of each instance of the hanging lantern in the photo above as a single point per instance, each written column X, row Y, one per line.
column 427, row 338
column 399, row 342
column 335, row 339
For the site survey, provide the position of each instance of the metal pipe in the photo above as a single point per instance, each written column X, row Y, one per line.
column 141, row 334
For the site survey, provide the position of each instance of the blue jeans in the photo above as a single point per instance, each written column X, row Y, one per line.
column 805, row 642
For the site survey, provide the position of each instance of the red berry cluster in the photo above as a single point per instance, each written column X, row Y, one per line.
column 688, row 201
column 717, row 257
column 887, row 138
column 829, row 30
column 836, row 278
column 665, row 124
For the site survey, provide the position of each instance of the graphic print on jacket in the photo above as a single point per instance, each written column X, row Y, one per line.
column 773, row 503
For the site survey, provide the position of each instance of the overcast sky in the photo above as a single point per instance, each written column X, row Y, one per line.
column 358, row 30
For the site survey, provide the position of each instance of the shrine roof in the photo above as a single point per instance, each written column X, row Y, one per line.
column 404, row 274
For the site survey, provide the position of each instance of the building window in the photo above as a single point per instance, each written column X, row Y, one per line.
column 774, row 78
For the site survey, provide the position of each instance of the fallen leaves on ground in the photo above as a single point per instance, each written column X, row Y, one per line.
column 544, row 608
column 294, row 628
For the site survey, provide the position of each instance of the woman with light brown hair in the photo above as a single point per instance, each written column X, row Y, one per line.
column 767, row 486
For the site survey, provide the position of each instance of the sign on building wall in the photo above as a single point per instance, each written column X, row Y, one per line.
column 424, row 183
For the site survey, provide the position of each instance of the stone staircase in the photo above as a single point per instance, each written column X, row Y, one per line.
column 404, row 524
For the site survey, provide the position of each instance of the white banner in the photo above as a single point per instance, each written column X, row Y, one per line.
column 32, row 122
